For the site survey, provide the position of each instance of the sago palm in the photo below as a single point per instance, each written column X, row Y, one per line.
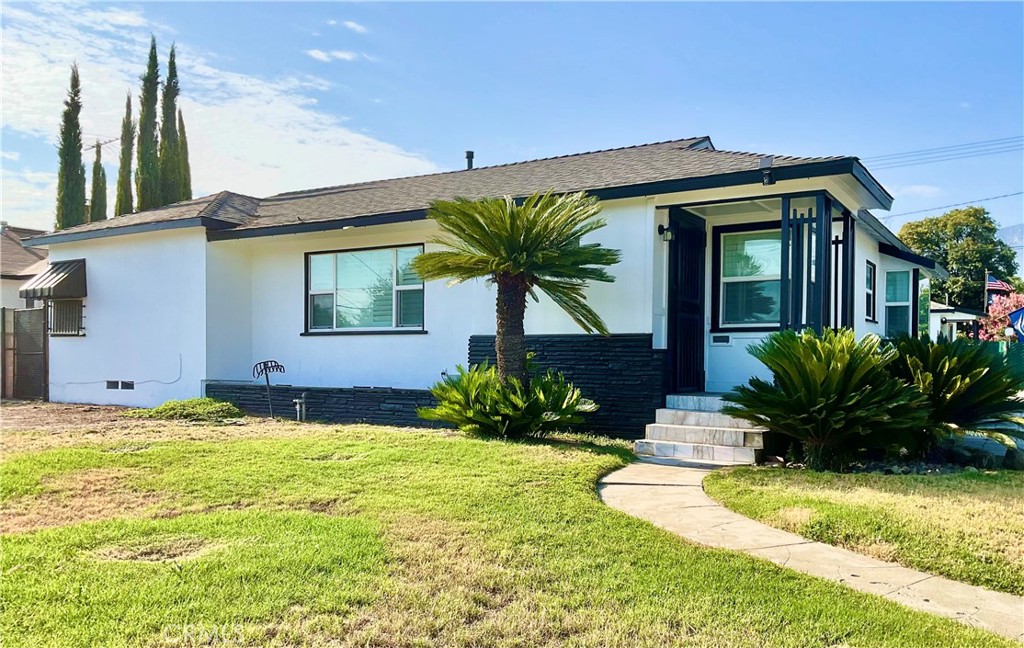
column 522, row 246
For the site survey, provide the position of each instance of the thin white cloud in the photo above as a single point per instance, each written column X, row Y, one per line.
column 10, row 155
column 319, row 55
column 246, row 133
column 356, row 27
column 332, row 22
column 333, row 55
column 916, row 191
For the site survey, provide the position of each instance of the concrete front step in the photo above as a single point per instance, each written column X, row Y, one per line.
column 694, row 402
column 696, row 452
column 668, row 416
column 734, row 437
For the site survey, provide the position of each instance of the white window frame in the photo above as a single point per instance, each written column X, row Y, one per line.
column 333, row 292
column 909, row 303
column 872, row 292
column 723, row 280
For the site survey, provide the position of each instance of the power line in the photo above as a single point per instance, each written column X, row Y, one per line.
column 946, row 158
column 984, row 143
column 969, row 202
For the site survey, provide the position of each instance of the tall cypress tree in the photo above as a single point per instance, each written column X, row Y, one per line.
column 123, row 205
column 147, row 171
column 71, row 171
column 98, row 201
column 186, row 168
column 170, row 159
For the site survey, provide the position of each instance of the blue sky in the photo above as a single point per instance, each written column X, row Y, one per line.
column 291, row 96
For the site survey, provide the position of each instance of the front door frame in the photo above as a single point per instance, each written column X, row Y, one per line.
column 686, row 339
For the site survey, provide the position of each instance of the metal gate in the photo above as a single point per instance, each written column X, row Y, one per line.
column 24, row 353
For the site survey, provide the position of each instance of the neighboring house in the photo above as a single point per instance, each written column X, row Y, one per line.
column 718, row 249
column 17, row 264
column 947, row 321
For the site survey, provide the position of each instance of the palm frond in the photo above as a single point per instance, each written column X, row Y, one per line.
column 538, row 237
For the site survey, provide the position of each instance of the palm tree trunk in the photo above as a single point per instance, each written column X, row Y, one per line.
column 510, row 336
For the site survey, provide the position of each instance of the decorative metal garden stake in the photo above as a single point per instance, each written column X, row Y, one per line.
column 264, row 369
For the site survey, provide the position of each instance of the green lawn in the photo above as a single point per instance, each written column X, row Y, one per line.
column 966, row 526
column 369, row 536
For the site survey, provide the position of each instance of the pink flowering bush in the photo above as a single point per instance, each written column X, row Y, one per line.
column 993, row 327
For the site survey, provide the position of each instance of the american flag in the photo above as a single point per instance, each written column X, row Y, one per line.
column 996, row 284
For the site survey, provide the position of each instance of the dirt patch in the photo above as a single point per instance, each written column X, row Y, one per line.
column 81, row 496
column 34, row 426
column 170, row 549
column 794, row 518
column 879, row 549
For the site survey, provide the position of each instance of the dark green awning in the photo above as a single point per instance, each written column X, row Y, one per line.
column 62, row 280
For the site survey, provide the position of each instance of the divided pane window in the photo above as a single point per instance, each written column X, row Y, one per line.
column 897, row 303
column 750, row 274
column 365, row 290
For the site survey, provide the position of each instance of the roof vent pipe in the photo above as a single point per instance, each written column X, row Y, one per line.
column 469, row 160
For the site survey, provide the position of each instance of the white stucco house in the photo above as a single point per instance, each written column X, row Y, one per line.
column 718, row 249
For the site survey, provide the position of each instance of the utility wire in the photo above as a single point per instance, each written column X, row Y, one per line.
column 931, row 160
column 969, row 202
column 982, row 144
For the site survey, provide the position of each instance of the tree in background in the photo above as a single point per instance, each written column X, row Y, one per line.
column 123, row 203
column 71, row 171
column 170, row 156
column 186, row 168
column 147, row 172
column 98, row 197
column 964, row 241
column 993, row 327
column 520, row 247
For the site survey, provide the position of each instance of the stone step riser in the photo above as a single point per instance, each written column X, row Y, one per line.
column 706, row 436
column 667, row 416
column 696, row 452
column 694, row 403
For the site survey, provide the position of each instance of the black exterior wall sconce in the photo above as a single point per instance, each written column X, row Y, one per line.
column 666, row 232
column 766, row 170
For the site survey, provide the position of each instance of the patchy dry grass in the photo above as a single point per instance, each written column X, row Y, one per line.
column 80, row 496
column 967, row 526
column 313, row 535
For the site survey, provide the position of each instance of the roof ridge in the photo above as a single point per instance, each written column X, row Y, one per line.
column 290, row 194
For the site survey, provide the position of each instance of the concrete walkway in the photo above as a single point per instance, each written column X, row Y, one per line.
column 670, row 496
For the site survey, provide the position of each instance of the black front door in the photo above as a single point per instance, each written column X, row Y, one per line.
column 686, row 301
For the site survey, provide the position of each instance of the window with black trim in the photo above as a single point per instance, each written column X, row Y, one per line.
column 67, row 317
column 364, row 290
column 749, row 278
column 870, row 286
column 897, row 303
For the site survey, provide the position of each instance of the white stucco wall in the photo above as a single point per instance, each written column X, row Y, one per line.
column 451, row 314
column 229, row 314
column 144, row 320
column 9, row 293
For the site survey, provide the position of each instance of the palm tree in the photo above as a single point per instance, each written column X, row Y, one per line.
column 520, row 245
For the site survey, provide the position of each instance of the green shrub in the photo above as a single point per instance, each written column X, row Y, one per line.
column 192, row 409
column 832, row 394
column 476, row 401
column 970, row 385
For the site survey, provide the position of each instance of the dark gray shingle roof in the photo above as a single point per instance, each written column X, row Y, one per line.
column 15, row 259
column 621, row 167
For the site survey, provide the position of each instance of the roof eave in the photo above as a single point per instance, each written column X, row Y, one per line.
column 140, row 228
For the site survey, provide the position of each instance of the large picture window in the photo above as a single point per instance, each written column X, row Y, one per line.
column 897, row 303
column 750, row 275
column 364, row 290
